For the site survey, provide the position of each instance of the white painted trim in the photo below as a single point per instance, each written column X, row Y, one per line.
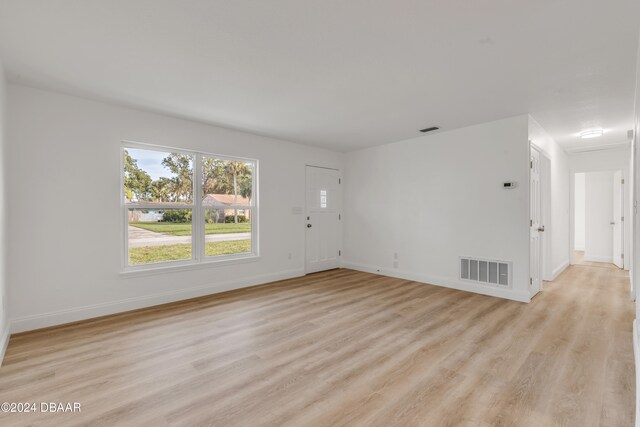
column 636, row 358
column 174, row 268
column 627, row 175
column 546, row 217
column 598, row 258
column 4, row 342
column 60, row 317
column 521, row 296
column 540, row 275
column 307, row 214
column 579, row 248
column 558, row 270
column 198, row 226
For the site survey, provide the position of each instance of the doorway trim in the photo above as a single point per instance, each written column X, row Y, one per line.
column 536, row 286
column 545, row 200
column 545, row 206
column 306, row 213
column 627, row 211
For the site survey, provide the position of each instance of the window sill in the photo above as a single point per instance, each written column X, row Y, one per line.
column 185, row 266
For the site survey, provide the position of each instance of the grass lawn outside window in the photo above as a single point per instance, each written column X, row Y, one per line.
column 184, row 229
column 151, row 254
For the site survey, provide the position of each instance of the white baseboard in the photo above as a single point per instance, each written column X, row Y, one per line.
column 4, row 342
column 521, row 296
column 557, row 271
column 636, row 358
column 38, row 321
column 596, row 258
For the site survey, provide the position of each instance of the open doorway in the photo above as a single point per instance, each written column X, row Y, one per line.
column 599, row 218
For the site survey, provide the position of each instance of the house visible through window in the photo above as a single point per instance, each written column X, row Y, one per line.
column 185, row 207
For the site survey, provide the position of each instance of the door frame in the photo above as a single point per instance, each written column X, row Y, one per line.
column 545, row 202
column 534, row 147
column 624, row 218
column 626, row 203
column 545, row 213
column 306, row 212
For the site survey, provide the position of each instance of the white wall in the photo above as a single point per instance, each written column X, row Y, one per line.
column 4, row 295
column 579, row 222
column 635, row 270
column 64, row 161
column 635, row 267
column 598, row 215
column 434, row 198
column 557, row 233
column 600, row 161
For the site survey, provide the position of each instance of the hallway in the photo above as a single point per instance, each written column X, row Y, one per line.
column 593, row 375
column 580, row 261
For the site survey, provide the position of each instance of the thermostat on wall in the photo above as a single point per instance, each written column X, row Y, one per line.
column 509, row 185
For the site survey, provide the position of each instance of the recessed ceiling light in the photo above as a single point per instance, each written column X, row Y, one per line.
column 592, row 133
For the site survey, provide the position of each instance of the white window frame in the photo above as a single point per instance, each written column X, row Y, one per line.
column 198, row 257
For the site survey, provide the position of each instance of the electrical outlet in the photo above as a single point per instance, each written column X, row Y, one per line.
column 395, row 255
column 290, row 255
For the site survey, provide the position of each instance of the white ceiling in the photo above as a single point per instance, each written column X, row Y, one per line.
column 342, row 74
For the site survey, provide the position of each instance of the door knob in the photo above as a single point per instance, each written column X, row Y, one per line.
column 541, row 229
column 612, row 223
column 309, row 225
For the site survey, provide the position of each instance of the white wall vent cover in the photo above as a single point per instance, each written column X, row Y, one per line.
column 485, row 271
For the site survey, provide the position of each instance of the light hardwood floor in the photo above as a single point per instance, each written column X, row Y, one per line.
column 580, row 261
column 342, row 348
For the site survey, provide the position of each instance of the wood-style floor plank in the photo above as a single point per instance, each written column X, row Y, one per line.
column 342, row 348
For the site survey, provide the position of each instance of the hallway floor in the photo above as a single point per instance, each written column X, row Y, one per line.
column 580, row 261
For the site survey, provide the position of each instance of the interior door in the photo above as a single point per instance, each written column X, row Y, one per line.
column 322, row 219
column 617, row 221
column 535, row 224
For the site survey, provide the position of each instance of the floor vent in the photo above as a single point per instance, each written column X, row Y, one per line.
column 485, row 271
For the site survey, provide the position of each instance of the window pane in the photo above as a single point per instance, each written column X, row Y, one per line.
column 157, row 177
column 159, row 235
column 227, row 182
column 227, row 232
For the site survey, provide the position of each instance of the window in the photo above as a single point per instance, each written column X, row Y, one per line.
column 183, row 207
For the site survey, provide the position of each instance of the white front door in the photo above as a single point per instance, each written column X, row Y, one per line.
column 617, row 221
column 535, row 224
column 322, row 219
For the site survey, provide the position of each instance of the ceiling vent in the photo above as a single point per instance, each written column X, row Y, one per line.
column 431, row 129
column 486, row 272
